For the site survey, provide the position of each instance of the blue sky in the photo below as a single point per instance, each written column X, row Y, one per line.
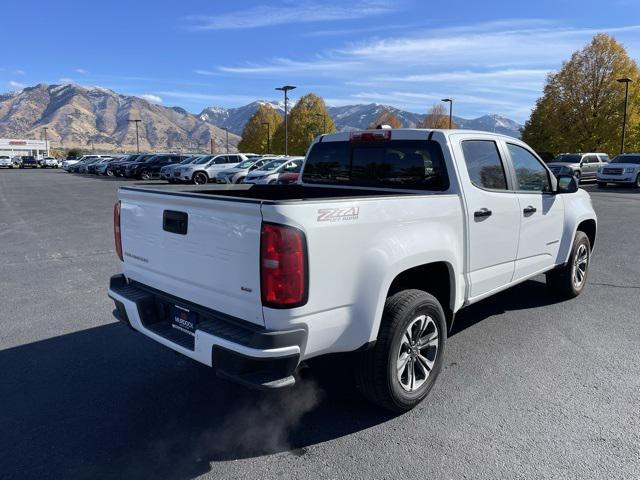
column 491, row 57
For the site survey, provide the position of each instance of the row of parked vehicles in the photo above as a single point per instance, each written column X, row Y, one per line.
column 197, row 169
column 28, row 161
column 623, row 169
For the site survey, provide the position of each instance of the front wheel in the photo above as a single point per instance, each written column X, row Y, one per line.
column 637, row 184
column 200, row 178
column 145, row 175
column 569, row 280
column 400, row 370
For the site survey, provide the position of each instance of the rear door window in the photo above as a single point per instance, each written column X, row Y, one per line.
column 407, row 164
column 484, row 165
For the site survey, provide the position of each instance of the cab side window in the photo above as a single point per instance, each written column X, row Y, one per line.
column 484, row 165
column 531, row 176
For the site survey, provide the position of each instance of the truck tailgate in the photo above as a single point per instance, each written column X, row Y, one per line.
column 214, row 264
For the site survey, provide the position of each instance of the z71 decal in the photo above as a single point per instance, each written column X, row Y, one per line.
column 338, row 214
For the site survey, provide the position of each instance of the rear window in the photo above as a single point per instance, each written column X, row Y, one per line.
column 410, row 164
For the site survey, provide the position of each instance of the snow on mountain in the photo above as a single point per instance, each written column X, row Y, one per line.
column 356, row 117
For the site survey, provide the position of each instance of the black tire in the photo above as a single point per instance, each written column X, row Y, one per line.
column 376, row 369
column 602, row 184
column 200, row 178
column 144, row 175
column 637, row 184
column 561, row 281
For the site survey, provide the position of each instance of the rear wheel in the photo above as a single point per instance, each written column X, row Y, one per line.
column 200, row 178
column 400, row 370
column 637, row 184
column 568, row 281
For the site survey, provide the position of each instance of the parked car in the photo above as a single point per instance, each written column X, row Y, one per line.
column 17, row 161
column 110, row 171
column 268, row 173
column 84, row 166
column 49, row 162
column 624, row 168
column 120, row 167
column 288, row 178
column 150, row 168
column 101, row 167
column 387, row 236
column 166, row 172
column 240, row 171
column 5, row 161
column 27, row 161
column 206, row 168
column 69, row 163
column 582, row 165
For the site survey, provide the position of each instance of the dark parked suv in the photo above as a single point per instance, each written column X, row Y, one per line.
column 150, row 168
column 28, row 161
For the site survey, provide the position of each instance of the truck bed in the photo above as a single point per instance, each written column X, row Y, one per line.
column 271, row 193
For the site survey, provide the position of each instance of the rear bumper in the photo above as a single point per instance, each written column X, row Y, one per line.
column 237, row 350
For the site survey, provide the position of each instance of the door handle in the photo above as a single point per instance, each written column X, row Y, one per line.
column 529, row 210
column 482, row 213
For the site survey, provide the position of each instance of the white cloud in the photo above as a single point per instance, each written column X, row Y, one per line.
column 19, row 72
column 290, row 12
column 66, row 80
column 284, row 65
column 197, row 96
column 81, row 71
column 151, row 98
column 13, row 85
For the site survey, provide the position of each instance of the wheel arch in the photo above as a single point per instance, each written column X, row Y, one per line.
column 589, row 227
column 436, row 278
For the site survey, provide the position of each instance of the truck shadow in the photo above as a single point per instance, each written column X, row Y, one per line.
column 529, row 294
column 108, row 403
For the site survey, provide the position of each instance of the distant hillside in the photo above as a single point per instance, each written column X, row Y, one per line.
column 357, row 117
column 84, row 117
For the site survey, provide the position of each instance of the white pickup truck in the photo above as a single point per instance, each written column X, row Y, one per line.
column 386, row 236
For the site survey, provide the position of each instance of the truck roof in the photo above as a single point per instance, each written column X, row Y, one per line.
column 407, row 133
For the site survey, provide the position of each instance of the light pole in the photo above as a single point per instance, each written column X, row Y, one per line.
column 46, row 143
column 450, row 102
column 227, row 131
column 626, row 81
column 285, row 89
column 268, row 136
column 136, row 121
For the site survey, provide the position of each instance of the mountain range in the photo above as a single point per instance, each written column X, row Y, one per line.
column 357, row 117
column 99, row 118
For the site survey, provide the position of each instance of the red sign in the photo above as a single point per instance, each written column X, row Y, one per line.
column 17, row 142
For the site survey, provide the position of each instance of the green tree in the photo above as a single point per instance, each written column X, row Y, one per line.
column 255, row 132
column 437, row 117
column 386, row 118
column 581, row 107
column 307, row 119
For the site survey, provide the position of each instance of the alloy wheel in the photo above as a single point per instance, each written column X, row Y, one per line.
column 418, row 352
column 580, row 265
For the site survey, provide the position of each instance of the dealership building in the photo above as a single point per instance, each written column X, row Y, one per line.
column 17, row 147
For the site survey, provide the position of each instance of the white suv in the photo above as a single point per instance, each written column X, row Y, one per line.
column 5, row 161
column 206, row 168
column 625, row 168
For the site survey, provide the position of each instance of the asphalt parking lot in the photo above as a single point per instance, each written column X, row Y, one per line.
column 530, row 389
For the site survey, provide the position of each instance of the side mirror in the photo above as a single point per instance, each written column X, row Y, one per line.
column 567, row 184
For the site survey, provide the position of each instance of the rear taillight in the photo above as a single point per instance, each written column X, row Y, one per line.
column 283, row 266
column 116, row 230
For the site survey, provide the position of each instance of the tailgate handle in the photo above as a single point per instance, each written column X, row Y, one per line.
column 175, row 222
